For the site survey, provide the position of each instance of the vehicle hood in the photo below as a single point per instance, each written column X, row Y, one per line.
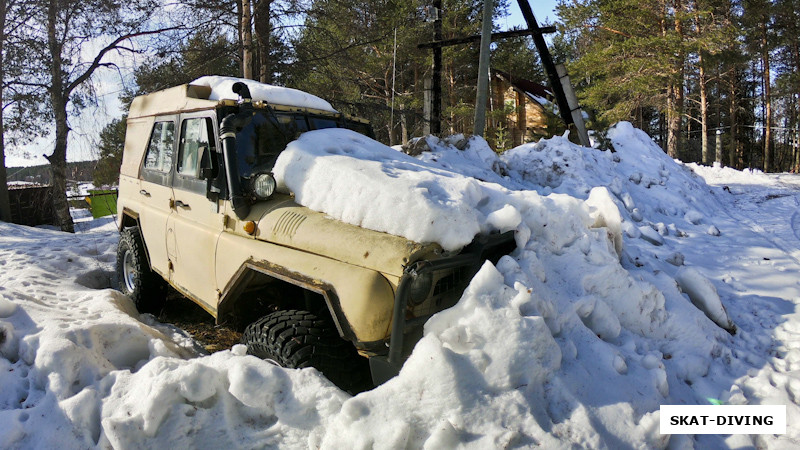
column 291, row 225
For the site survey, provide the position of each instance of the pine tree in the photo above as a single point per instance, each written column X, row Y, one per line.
column 345, row 53
column 630, row 55
column 788, row 81
column 21, row 108
column 112, row 143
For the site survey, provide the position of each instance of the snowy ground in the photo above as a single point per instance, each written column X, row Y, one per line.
column 628, row 266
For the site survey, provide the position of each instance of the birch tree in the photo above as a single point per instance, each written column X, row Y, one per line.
column 80, row 36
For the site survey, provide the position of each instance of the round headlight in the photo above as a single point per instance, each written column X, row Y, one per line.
column 420, row 288
column 263, row 186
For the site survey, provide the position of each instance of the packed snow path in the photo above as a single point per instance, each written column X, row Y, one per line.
column 574, row 339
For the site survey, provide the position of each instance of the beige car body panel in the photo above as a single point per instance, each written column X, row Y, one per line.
column 365, row 297
column 200, row 247
column 148, row 201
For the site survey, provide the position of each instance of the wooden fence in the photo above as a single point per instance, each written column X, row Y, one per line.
column 31, row 205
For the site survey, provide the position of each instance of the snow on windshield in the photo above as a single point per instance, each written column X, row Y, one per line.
column 222, row 89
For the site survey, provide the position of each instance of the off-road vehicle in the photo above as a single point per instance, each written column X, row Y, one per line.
column 199, row 211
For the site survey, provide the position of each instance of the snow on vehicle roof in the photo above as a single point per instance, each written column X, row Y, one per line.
column 221, row 89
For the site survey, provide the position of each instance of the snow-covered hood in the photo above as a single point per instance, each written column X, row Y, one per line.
column 362, row 182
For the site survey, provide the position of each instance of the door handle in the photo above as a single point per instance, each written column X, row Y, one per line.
column 180, row 204
column 145, row 193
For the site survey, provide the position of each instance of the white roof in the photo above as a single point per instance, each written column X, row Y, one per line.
column 222, row 89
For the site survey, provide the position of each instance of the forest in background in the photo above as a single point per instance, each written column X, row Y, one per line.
column 693, row 74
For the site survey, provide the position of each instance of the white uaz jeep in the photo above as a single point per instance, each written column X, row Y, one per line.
column 199, row 210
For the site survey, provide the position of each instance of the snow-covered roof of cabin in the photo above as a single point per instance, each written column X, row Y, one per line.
column 222, row 89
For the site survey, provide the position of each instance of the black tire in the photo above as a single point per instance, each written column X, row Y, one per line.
column 299, row 339
column 135, row 278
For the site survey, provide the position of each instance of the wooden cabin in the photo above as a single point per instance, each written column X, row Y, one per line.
column 531, row 113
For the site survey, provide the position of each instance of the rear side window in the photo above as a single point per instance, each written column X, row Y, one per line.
column 161, row 147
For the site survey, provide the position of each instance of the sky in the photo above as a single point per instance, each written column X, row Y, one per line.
column 543, row 10
column 87, row 127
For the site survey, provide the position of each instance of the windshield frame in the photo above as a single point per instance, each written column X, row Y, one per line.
column 265, row 137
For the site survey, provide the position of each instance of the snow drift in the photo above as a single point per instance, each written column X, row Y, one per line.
column 574, row 339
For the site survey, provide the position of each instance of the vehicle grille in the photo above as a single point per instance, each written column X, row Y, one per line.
column 448, row 287
column 458, row 279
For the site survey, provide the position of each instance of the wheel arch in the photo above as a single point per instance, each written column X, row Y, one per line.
column 250, row 271
column 130, row 219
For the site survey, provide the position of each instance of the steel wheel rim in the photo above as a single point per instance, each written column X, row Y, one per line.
column 129, row 271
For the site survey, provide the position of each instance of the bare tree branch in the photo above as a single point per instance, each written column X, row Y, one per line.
column 113, row 46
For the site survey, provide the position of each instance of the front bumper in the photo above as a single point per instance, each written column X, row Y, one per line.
column 470, row 260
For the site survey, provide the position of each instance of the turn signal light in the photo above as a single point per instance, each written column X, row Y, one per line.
column 249, row 227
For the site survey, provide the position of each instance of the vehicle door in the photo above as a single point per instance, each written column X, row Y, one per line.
column 196, row 221
column 155, row 192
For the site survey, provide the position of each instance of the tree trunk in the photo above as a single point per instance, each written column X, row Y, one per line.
column 58, row 165
column 5, row 207
column 522, row 119
column 451, row 78
column 675, row 94
column 263, row 29
column 767, row 101
column 403, row 124
column 246, row 29
column 58, row 101
column 734, row 146
column 704, row 111
column 674, row 112
column 796, row 55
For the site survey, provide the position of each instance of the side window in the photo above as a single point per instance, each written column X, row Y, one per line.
column 194, row 144
column 161, row 147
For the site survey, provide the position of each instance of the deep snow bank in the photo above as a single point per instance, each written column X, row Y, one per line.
column 574, row 339
column 79, row 367
column 574, row 316
column 360, row 181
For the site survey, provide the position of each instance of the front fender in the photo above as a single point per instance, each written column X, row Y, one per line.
column 360, row 300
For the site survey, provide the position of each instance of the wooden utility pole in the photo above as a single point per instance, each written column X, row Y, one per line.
column 559, row 81
column 547, row 61
column 436, row 107
column 568, row 106
column 433, row 86
column 483, row 70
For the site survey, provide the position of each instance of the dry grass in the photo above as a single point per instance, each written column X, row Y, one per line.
column 188, row 316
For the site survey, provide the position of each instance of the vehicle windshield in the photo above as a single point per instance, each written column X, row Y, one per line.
column 264, row 138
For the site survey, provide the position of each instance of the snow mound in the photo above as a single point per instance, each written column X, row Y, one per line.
column 363, row 182
column 704, row 295
column 573, row 340
column 222, row 89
